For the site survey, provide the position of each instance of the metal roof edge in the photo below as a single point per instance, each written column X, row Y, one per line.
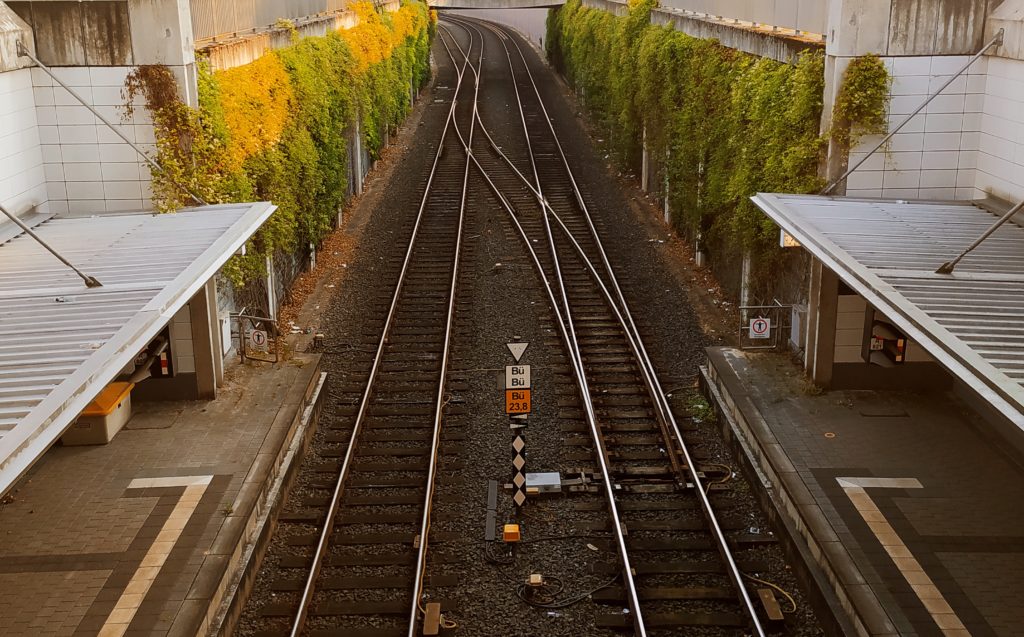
column 22, row 446
column 214, row 257
column 949, row 350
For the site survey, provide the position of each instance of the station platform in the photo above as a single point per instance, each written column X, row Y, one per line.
column 150, row 534
column 909, row 510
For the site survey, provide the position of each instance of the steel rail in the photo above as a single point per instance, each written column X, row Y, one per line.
column 644, row 369
column 731, row 567
column 633, row 333
column 421, row 553
column 325, row 533
column 569, row 334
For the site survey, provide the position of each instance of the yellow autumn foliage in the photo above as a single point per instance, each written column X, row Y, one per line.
column 257, row 101
column 372, row 41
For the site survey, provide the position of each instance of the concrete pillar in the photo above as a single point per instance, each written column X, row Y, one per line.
column 13, row 30
column 667, row 209
column 358, row 159
column 824, row 324
column 205, row 342
column 645, row 164
column 218, row 344
column 745, row 283
column 810, row 333
column 271, row 290
column 161, row 33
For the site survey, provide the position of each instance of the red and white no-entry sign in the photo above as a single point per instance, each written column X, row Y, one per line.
column 760, row 327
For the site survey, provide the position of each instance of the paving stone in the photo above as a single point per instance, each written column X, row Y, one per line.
column 962, row 527
column 74, row 535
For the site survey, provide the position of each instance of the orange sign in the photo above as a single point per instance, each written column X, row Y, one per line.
column 517, row 401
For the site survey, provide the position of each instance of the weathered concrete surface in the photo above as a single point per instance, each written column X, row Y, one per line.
column 907, row 27
column 226, row 53
column 763, row 41
column 71, row 33
column 938, row 27
column 161, row 32
column 1009, row 17
column 803, row 15
column 12, row 30
column 239, row 49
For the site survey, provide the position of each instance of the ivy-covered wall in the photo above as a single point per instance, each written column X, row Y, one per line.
column 278, row 129
column 720, row 124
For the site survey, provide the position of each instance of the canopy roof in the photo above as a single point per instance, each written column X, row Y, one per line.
column 61, row 342
column 971, row 321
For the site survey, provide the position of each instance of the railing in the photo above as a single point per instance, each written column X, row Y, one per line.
column 257, row 337
column 222, row 18
column 764, row 326
column 809, row 16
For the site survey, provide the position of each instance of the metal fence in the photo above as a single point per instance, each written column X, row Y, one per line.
column 764, row 326
column 217, row 18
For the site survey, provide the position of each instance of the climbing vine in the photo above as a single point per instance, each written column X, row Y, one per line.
column 720, row 124
column 278, row 128
column 860, row 105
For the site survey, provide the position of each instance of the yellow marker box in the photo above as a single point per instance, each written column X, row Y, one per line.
column 511, row 533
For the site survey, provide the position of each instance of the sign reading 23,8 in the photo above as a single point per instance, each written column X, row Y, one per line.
column 517, row 401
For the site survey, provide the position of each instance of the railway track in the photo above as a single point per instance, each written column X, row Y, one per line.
column 677, row 562
column 362, row 559
column 362, row 572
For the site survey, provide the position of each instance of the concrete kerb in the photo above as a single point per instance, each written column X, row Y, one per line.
column 239, row 577
column 844, row 605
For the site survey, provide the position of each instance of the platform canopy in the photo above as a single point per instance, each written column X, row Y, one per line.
column 971, row 321
column 61, row 342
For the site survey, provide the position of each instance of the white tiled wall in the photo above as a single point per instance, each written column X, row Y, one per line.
column 1001, row 142
column 22, row 176
column 935, row 155
column 182, row 352
column 88, row 167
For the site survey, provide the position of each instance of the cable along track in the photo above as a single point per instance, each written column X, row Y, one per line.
column 677, row 566
column 363, row 571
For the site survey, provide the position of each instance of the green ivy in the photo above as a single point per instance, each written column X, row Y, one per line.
column 860, row 105
column 304, row 171
column 720, row 124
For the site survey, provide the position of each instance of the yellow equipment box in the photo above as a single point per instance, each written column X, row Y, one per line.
column 103, row 417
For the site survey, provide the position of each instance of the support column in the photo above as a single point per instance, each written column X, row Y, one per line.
column 205, row 338
column 824, row 325
column 810, row 329
column 271, row 289
column 218, row 343
column 358, row 159
column 645, row 165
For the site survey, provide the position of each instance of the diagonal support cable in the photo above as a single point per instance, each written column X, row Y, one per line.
column 90, row 282
column 996, row 40
column 24, row 52
column 947, row 267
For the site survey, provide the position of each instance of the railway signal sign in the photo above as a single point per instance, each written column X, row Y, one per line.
column 517, row 349
column 517, row 377
column 760, row 327
column 517, row 401
column 519, row 461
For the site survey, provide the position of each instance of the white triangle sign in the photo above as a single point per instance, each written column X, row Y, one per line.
column 517, row 349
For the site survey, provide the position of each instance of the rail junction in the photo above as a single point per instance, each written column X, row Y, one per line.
column 366, row 545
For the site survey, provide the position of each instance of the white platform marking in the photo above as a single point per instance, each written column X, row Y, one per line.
column 130, row 600
column 940, row 610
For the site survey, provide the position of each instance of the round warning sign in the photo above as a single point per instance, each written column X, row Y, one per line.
column 760, row 327
column 259, row 338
